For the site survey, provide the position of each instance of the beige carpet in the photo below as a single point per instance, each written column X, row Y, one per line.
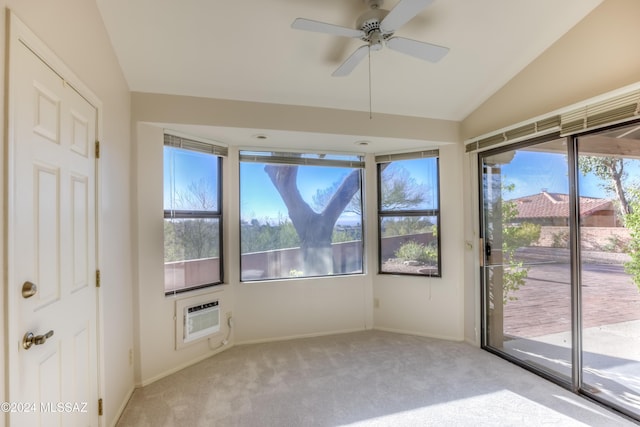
column 368, row 378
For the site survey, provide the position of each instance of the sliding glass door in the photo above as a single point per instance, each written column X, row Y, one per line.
column 527, row 270
column 560, row 228
column 609, row 188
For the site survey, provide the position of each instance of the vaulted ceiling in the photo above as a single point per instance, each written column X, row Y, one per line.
column 246, row 50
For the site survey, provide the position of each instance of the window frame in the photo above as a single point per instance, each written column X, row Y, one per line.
column 413, row 213
column 219, row 153
column 303, row 158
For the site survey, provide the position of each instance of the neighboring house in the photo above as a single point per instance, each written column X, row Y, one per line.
column 552, row 209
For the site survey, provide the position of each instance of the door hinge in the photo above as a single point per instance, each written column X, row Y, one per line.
column 97, row 149
column 97, row 278
column 100, row 411
column 481, row 252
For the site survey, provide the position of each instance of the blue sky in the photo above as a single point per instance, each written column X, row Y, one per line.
column 531, row 171
column 183, row 167
column 260, row 199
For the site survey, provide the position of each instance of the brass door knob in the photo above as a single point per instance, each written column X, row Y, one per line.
column 29, row 289
column 29, row 339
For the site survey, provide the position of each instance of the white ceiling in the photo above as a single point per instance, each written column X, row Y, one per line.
column 246, row 50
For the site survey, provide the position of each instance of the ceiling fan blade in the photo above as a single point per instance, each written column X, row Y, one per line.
column 322, row 27
column 347, row 66
column 426, row 51
column 402, row 13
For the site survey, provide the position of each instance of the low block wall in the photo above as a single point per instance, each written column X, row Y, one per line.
column 612, row 239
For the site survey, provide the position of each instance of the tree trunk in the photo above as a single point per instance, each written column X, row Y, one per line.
column 616, row 177
column 314, row 229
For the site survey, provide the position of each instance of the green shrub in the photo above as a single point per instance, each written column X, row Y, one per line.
column 411, row 251
column 521, row 235
column 414, row 251
column 431, row 254
column 560, row 239
column 632, row 222
column 615, row 244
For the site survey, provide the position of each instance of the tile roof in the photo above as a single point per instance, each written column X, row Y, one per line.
column 556, row 205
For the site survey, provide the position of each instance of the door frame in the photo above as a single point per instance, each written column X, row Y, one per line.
column 19, row 34
column 570, row 383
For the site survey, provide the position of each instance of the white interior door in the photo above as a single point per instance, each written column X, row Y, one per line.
column 52, row 244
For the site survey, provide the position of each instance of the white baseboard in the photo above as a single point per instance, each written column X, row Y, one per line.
column 123, row 405
column 472, row 342
column 180, row 367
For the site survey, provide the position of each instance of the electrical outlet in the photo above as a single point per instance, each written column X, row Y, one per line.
column 376, row 303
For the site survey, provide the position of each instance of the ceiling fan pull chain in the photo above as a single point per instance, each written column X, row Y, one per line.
column 370, row 109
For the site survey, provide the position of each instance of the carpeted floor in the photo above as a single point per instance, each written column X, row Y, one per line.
column 368, row 378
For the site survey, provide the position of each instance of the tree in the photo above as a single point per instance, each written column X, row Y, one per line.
column 172, row 250
column 315, row 229
column 612, row 171
column 192, row 238
column 399, row 189
column 257, row 237
column 632, row 267
column 632, row 223
column 322, row 198
column 408, row 225
column 506, row 235
column 514, row 236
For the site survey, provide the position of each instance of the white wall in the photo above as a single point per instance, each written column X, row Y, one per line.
column 156, row 355
column 431, row 306
column 472, row 251
column 598, row 55
column 73, row 30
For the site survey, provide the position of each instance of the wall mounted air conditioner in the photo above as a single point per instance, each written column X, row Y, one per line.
column 197, row 318
column 201, row 320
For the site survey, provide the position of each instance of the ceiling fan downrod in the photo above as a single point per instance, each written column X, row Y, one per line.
column 373, row 4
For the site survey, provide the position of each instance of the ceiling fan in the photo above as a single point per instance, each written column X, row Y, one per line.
column 376, row 27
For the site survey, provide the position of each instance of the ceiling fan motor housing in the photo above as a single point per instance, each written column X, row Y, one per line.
column 369, row 23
